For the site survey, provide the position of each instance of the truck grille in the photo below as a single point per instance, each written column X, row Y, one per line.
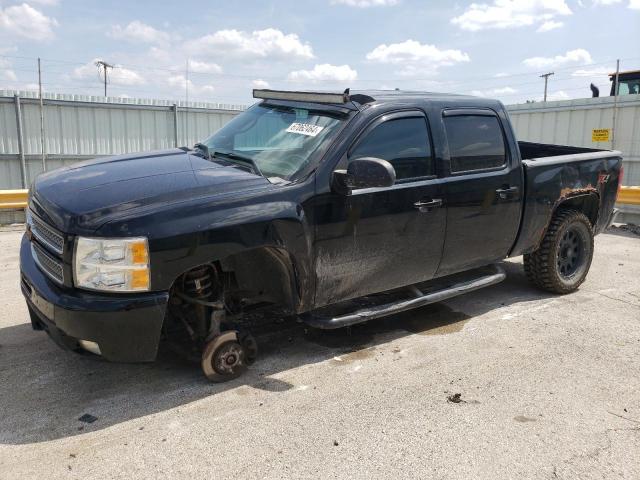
column 45, row 234
column 49, row 265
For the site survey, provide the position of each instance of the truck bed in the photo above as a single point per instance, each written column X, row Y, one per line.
column 533, row 151
column 553, row 173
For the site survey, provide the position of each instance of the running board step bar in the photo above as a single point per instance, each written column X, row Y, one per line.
column 421, row 299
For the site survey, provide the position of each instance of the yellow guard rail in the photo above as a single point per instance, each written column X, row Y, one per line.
column 13, row 199
column 17, row 199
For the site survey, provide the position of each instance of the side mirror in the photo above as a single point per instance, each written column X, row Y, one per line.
column 366, row 172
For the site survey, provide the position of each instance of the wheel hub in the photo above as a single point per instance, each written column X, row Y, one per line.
column 223, row 357
column 227, row 357
column 570, row 254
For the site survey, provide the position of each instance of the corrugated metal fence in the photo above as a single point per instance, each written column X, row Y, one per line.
column 78, row 127
column 572, row 122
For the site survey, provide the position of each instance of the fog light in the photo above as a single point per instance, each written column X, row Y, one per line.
column 90, row 346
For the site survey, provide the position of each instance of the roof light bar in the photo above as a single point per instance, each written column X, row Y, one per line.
column 313, row 97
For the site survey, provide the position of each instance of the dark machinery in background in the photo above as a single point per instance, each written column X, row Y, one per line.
column 628, row 84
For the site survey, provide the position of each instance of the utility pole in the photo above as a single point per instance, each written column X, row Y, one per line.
column 186, row 81
column 42, row 140
column 616, row 91
column 546, row 80
column 101, row 64
column 186, row 100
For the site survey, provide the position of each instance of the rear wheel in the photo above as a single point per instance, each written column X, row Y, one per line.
column 562, row 261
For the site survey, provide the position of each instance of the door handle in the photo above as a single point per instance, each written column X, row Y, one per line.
column 428, row 205
column 507, row 192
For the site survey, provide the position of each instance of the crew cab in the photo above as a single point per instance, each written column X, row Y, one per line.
column 303, row 205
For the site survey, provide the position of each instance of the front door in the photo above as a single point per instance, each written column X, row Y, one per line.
column 483, row 191
column 377, row 239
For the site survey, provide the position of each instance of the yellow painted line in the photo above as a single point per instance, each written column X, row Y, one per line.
column 13, row 199
column 629, row 195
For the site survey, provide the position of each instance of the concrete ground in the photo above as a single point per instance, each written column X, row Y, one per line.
column 550, row 388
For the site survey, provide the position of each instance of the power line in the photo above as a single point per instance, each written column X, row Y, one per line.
column 68, row 79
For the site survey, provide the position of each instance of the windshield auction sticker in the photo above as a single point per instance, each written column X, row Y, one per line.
column 304, row 129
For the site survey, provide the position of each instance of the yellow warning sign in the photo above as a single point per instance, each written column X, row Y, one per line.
column 600, row 135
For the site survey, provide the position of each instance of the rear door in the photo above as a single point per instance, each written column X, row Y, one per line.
column 376, row 239
column 483, row 190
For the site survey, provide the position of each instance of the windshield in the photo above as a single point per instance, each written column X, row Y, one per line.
column 280, row 140
column 629, row 87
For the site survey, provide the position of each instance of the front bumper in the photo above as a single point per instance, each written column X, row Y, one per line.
column 126, row 327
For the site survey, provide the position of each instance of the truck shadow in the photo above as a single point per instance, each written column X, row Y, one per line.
column 45, row 390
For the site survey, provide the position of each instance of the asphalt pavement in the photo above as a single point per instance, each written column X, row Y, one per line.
column 505, row 382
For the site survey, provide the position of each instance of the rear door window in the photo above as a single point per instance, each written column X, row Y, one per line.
column 475, row 142
column 403, row 142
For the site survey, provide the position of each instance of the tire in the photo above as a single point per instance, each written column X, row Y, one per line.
column 562, row 261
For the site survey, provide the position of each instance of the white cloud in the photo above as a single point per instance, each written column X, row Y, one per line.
column 180, row 81
column 46, row 3
column 416, row 57
column 579, row 55
column 510, row 14
column 116, row 76
column 8, row 75
column 25, row 21
column 268, row 43
column 494, row 92
column 160, row 54
column 606, row 2
column 204, row 67
column 501, row 75
column 259, row 83
column 124, row 76
column 634, row 4
column 137, row 31
column 6, row 71
column 324, row 73
column 549, row 25
column 559, row 95
column 591, row 72
column 365, row 3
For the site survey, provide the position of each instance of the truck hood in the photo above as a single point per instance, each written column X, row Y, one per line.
column 85, row 195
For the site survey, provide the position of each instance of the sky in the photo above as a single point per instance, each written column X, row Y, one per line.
column 218, row 51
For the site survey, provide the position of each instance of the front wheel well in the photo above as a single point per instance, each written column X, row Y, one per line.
column 258, row 275
column 221, row 294
column 265, row 273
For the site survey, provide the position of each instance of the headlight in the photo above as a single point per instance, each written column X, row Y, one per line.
column 111, row 264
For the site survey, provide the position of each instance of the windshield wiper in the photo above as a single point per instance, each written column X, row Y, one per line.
column 203, row 149
column 239, row 159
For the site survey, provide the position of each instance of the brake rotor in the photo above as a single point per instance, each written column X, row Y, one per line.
column 224, row 357
column 250, row 347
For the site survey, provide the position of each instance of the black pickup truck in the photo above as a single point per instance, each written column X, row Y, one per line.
column 303, row 205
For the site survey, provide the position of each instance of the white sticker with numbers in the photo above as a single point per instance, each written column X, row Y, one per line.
column 304, row 129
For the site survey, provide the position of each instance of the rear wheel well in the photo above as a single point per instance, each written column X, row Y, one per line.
column 589, row 204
